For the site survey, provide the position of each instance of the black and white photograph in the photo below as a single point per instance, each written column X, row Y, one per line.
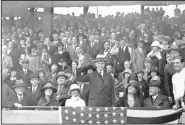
column 92, row 62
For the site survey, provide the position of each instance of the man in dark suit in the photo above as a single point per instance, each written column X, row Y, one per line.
column 156, row 100
column 24, row 72
column 21, row 97
column 34, row 90
column 101, row 93
column 50, row 48
column 71, row 48
column 94, row 48
column 63, row 87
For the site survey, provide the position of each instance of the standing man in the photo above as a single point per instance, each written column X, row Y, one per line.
column 169, row 71
column 178, row 81
column 101, row 93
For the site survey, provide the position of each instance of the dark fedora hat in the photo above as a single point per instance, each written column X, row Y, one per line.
column 174, row 48
column 155, row 83
column 33, row 75
column 139, row 71
column 19, row 83
column 154, row 69
column 100, row 58
column 48, row 85
column 85, row 69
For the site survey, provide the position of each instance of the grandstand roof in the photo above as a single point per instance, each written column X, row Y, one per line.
column 14, row 7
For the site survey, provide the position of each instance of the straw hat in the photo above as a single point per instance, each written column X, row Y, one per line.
column 61, row 74
column 100, row 58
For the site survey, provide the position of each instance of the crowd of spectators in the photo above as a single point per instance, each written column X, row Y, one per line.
column 143, row 57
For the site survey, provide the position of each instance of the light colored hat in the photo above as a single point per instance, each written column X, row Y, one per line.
column 73, row 87
column 127, row 71
column 100, row 58
column 156, row 44
column 48, row 85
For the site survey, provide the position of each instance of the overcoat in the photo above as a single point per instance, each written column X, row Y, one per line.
column 102, row 92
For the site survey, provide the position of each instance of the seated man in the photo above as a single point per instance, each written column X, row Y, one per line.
column 21, row 97
column 155, row 99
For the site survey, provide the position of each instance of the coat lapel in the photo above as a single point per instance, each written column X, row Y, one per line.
column 157, row 101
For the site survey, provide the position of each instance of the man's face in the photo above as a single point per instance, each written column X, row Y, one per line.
column 47, row 41
column 153, row 90
column 25, row 65
column 10, row 45
column 74, row 65
column 123, row 43
column 113, row 36
column 174, row 54
column 4, row 50
column 61, row 80
column 106, row 45
column 140, row 45
column 67, row 34
column 60, row 48
column 100, row 65
column 91, row 38
column 19, row 90
column 34, row 82
column 54, row 69
column 127, row 65
column 78, row 50
column 55, row 37
column 140, row 75
column 178, row 65
column 74, row 41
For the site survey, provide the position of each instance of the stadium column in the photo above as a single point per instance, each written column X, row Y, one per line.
column 47, row 21
column 142, row 12
column 85, row 10
column 31, row 17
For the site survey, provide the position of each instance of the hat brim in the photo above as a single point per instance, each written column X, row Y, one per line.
column 69, row 93
column 20, row 85
column 139, row 72
column 63, row 75
column 154, row 86
column 100, row 60
column 53, row 88
column 173, row 49
column 125, row 73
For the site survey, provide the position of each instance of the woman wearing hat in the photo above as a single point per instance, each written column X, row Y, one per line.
column 42, row 77
column 48, row 97
column 142, row 84
column 131, row 97
column 156, row 57
column 75, row 100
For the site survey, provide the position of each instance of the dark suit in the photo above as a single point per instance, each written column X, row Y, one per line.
column 25, row 77
column 94, row 50
column 123, row 102
column 15, row 56
column 37, row 94
column 71, row 51
column 169, row 71
column 63, row 93
column 85, row 93
column 161, row 100
column 27, row 100
column 51, row 50
column 101, row 93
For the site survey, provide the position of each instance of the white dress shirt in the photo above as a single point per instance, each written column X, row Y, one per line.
column 178, row 81
column 19, row 97
column 100, row 72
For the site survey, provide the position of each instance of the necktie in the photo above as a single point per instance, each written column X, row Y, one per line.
column 20, row 99
column 25, row 71
column 34, row 89
column 59, row 90
column 100, row 74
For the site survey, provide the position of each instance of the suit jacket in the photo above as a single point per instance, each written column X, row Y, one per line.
column 85, row 93
column 123, row 102
column 15, row 56
column 63, row 93
column 101, row 93
column 71, row 51
column 25, row 77
column 36, row 96
column 51, row 50
column 94, row 50
column 6, row 91
column 161, row 100
column 137, row 59
column 27, row 100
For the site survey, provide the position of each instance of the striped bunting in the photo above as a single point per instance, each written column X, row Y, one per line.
column 141, row 116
